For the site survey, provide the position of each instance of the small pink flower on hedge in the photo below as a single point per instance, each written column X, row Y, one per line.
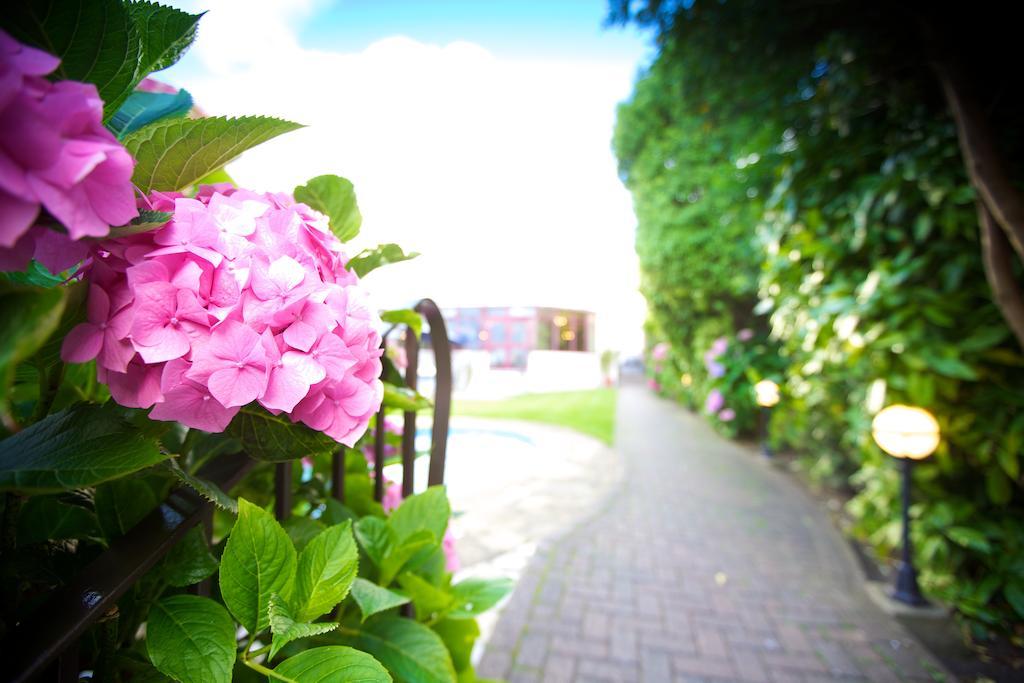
column 715, row 401
column 55, row 153
column 660, row 351
column 240, row 298
column 727, row 415
column 746, row 334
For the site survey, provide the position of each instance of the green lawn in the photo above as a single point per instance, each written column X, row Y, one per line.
column 590, row 412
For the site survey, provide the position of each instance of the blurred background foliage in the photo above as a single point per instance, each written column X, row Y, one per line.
column 796, row 173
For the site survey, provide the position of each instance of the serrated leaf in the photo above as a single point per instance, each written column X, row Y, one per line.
column 370, row 259
column 144, row 222
column 191, row 639
column 409, row 650
column 275, row 438
column 258, row 561
column 375, row 537
column 475, row 596
column 143, row 108
column 332, row 663
column 190, row 561
column 404, row 316
column 47, row 518
column 326, row 568
column 286, row 627
column 166, row 33
column 404, row 398
column 96, row 40
column 427, row 511
column 427, row 598
column 206, row 489
column 334, row 197
column 171, row 155
column 373, row 599
column 76, row 447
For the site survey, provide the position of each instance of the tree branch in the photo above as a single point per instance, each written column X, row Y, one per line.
column 981, row 156
column 997, row 257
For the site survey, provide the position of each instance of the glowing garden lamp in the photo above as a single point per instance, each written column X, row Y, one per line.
column 910, row 434
column 766, row 393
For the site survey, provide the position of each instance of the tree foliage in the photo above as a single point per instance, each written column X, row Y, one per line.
column 798, row 169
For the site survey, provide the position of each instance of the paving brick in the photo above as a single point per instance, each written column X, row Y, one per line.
column 704, row 567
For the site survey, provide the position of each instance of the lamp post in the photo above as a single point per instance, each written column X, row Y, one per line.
column 909, row 434
column 766, row 393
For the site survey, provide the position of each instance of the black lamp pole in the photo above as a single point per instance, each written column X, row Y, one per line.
column 906, row 590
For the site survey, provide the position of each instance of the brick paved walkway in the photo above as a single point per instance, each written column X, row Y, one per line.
column 706, row 565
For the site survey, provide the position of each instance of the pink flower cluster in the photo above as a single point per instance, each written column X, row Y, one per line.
column 240, row 298
column 660, row 351
column 55, row 153
column 716, row 369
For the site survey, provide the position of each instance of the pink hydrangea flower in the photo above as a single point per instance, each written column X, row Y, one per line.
column 55, row 153
column 660, row 351
column 746, row 334
column 727, row 415
column 240, row 299
column 718, row 347
column 714, row 402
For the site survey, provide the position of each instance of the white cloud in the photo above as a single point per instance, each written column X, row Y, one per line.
column 499, row 172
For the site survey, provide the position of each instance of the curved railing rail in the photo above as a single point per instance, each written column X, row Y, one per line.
column 45, row 646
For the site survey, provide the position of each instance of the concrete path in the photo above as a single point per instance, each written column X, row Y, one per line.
column 703, row 565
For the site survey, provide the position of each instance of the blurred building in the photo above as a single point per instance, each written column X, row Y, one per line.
column 509, row 334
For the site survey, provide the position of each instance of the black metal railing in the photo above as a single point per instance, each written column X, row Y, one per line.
column 45, row 646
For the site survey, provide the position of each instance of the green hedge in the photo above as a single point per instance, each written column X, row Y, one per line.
column 802, row 181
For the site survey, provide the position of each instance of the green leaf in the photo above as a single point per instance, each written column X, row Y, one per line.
column 215, row 178
column 122, row 503
column 370, row 259
column 171, row 155
column 373, row 599
column 427, row 511
column 428, row 599
column 335, row 197
column 286, row 627
column 404, row 316
column 190, row 561
column 403, row 552
column 206, row 489
column 477, row 595
column 410, row 651
column 258, row 561
column 325, row 572
column 76, row 447
column 96, row 40
column 35, row 275
column 30, row 315
column 458, row 635
column 166, row 34
column 144, row 108
column 968, row 538
column 144, row 222
column 47, row 518
column 275, row 438
column 405, row 399
column 375, row 537
column 1013, row 591
column 302, row 530
column 948, row 366
column 191, row 639
column 332, row 663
